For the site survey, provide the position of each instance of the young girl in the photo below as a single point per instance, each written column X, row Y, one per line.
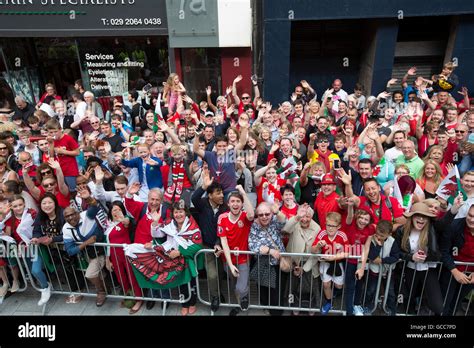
column 172, row 92
column 358, row 228
column 17, row 224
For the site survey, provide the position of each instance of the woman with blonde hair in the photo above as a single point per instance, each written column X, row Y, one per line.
column 436, row 153
column 419, row 249
column 430, row 178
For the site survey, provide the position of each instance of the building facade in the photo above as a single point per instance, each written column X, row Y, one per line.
column 367, row 41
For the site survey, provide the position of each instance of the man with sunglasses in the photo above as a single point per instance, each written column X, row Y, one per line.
column 321, row 153
column 246, row 98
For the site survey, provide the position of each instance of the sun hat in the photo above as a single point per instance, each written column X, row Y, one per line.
column 419, row 209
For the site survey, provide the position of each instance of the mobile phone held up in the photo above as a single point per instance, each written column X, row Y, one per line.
column 147, row 87
column 337, row 164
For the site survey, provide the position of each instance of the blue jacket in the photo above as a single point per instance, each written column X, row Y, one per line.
column 153, row 173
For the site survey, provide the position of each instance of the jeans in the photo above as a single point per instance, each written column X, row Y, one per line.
column 37, row 271
column 353, row 287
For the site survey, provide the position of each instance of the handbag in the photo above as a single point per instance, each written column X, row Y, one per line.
column 286, row 263
column 263, row 273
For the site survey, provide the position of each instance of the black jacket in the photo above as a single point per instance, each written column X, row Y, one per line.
column 207, row 219
column 434, row 253
column 451, row 239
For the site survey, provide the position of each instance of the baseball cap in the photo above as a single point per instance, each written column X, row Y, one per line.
column 328, row 179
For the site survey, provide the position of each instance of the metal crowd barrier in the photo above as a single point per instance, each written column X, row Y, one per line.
column 410, row 299
column 395, row 290
column 67, row 277
column 304, row 293
column 17, row 252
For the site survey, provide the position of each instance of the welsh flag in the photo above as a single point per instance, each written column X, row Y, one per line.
column 450, row 186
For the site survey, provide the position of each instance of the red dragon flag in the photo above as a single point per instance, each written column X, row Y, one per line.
column 450, row 186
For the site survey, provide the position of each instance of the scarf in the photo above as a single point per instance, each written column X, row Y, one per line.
column 173, row 192
column 325, row 159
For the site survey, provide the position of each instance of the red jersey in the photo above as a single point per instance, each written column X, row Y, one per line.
column 63, row 201
column 68, row 163
column 324, row 205
column 382, row 212
column 336, row 244
column 357, row 238
column 237, row 234
column 466, row 253
column 272, row 189
column 241, row 109
column 13, row 223
column 289, row 213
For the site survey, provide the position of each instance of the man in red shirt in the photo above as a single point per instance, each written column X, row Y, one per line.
column 233, row 228
column 326, row 201
column 65, row 149
column 379, row 206
column 246, row 99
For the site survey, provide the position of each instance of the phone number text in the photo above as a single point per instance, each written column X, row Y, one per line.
column 130, row 21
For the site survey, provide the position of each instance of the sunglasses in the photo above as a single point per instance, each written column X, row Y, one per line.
column 46, row 172
column 3, row 148
column 245, row 98
column 323, row 141
column 94, row 123
column 49, row 185
column 459, row 131
column 264, row 215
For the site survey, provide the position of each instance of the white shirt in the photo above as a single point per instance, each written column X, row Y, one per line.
column 418, row 266
column 392, row 154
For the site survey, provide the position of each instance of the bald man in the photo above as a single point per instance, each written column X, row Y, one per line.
column 410, row 159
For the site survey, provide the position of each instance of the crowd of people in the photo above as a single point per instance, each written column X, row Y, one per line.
column 359, row 180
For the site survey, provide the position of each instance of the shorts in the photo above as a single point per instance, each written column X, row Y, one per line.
column 95, row 266
column 325, row 277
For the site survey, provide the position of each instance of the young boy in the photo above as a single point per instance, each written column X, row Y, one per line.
column 233, row 229
column 66, row 149
column 34, row 123
column 382, row 251
column 333, row 243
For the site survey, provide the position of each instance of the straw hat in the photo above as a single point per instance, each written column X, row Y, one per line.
column 420, row 209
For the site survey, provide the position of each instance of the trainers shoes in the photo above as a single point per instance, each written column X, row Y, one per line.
column 234, row 312
column 215, row 303
column 15, row 287
column 326, row 308
column 3, row 290
column 244, row 303
column 358, row 311
column 45, row 295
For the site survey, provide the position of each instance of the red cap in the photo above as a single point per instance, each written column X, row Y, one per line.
column 328, row 179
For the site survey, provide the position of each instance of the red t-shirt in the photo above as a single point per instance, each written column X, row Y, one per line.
column 241, row 109
column 68, row 163
column 289, row 213
column 13, row 223
column 466, row 253
column 357, row 238
column 63, row 201
column 324, row 205
column 272, row 189
column 334, row 245
column 237, row 234
column 383, row 212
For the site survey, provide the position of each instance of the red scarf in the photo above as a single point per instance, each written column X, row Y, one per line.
column 174, row 191
column 324, row 158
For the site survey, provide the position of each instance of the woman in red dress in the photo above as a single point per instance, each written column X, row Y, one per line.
column 118, row 233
